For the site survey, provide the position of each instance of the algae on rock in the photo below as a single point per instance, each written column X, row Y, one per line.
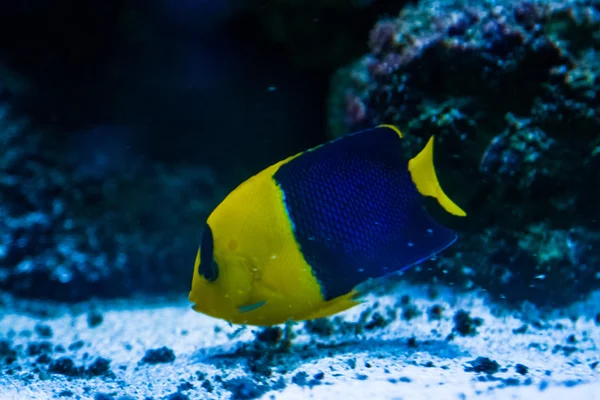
column 510, row 91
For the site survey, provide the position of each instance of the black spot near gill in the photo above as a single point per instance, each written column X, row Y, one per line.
column 208, row 267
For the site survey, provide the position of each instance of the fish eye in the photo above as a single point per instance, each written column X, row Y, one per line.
column 208, row 268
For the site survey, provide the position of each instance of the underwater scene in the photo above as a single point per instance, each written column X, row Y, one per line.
column 309, row 199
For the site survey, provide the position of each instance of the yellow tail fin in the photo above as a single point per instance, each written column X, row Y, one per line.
column 423, row 175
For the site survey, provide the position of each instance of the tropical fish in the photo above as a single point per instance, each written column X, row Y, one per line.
column 295, row 241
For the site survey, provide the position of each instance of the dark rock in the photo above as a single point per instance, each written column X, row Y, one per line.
column 8, row 354
column 103, row 396
column 76, row 345
column 100, row 366
column 538, row 325
column 43, row 359
column 185, row 386
column 412, row 342
column 94, row 318
column 321, row 327
column 279, row 384
column 244, row 389
column 325, row 327
column 511, row 382
column 160, row 355
column 377, row 322
column 270, row 335
column 567, row 350
column 300, row 379
column 43, row 330
column 177, row 396
column 64, row 366
column 521, row 369
column 260, row 363
column 410, row 311
column 37, row 348
column 435, row 312
column 465, row 325
column 66, row 393
column 206, row 385
column 522, row 329
column 483, row 364
column 351, row 362
column 201, row 375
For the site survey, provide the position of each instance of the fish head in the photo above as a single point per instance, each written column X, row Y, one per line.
column 223, row 278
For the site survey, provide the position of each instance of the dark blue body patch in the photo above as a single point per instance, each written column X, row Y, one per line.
column 356, row 212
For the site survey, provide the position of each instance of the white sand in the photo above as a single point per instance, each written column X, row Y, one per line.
column 132, row 327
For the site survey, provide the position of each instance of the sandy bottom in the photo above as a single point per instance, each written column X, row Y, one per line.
column 384, row 349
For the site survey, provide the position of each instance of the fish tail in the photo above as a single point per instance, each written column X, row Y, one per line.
column 423, row 175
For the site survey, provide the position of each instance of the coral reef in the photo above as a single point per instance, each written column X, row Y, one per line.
column 510, row 91
column 69, row 235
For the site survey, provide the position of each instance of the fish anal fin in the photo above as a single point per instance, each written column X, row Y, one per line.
column 333, row 306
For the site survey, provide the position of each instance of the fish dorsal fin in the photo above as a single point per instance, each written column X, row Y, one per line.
column 392, row 127
column 423, row 175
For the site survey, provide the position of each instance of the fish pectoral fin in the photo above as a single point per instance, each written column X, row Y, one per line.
column 251, row 307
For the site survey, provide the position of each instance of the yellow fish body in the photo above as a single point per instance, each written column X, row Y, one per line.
column 294, row 241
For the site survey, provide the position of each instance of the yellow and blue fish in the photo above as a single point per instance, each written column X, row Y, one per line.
column 294, row 241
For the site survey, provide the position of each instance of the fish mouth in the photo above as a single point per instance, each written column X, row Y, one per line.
column 224, row 298
column 232, row 296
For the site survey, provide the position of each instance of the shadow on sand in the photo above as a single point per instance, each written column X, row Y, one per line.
column 260, row 358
